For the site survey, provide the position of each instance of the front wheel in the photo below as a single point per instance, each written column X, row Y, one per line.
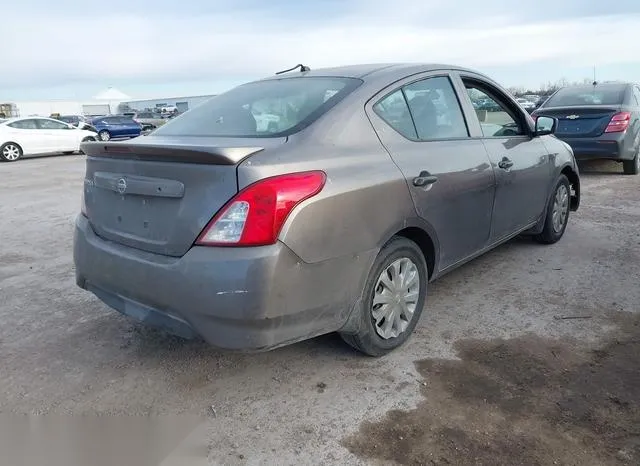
column 10, row 152
column 393, row 298
column 557, row 217
column 104, row 135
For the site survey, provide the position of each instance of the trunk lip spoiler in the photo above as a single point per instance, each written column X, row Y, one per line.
column 185, row 153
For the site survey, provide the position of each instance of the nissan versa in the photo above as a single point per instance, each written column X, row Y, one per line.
column 374, row 181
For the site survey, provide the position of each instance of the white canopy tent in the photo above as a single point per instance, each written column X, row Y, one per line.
column 113, row 97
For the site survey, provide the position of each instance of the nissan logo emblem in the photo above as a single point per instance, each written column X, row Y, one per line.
column 122, row 185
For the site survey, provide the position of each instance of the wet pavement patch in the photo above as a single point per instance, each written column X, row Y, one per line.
column 525, row 401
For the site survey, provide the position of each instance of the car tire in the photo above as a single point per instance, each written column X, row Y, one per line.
column 374, row 337
column 557, row 216
column 10, row 152
column 632, row 167
column 104, row 135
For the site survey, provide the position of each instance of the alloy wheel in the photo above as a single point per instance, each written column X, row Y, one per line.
column 11, row 152
column 395, row 298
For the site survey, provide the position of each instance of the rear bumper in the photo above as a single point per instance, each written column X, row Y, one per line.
column 249, row 299
column 607, row 146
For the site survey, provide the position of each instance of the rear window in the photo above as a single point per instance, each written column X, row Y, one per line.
column 270, row 108
column 592, row 95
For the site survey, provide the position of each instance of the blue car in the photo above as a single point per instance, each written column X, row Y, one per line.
column 116, row 127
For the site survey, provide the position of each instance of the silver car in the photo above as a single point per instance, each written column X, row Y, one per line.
column 379, row 179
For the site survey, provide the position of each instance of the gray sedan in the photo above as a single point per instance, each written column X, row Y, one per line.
column 374, row 181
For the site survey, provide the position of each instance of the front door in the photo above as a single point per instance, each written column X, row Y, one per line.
column 521, row 162
column 449, row 174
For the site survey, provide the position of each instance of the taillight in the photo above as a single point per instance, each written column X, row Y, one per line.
column 619, row 122
column 254, row 217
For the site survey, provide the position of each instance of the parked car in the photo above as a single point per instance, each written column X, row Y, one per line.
column 39, row 135
column 215, row 227
column 116, row 127
column 599, row 122
column 79, row 121
column 148, row 120
column 526, row 104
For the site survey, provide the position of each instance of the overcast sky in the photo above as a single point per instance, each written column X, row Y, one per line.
column 71, row 49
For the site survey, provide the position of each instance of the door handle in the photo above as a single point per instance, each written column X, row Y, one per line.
column 424, row 179
column 505, row 163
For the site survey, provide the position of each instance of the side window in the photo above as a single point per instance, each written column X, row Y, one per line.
column 24, row 124
column 50, row 124
column 435, row 109
column 394, row 110
column 497, row 119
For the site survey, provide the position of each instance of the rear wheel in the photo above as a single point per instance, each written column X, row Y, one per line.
column 557, row 213
column 632, row 167
column 104, row 135
column 393, row 298
column 10, row 152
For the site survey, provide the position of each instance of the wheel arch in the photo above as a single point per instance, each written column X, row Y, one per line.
column 424, row 235
column 574, row 181
column 14, row 143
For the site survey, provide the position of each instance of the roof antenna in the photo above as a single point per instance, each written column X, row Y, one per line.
column 302, row 67
column 595, row 83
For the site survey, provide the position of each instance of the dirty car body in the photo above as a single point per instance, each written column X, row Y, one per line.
column 253, row 239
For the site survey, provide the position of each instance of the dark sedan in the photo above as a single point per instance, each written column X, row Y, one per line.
column 116, row 127
column 598, row 121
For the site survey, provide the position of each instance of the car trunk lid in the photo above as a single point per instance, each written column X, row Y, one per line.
column 582, row 121
column 157, row 194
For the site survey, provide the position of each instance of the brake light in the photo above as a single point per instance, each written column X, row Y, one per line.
column 619, row 122
column 254, row 217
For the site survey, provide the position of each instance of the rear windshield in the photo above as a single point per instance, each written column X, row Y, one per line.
column 592, row 95
column 271, row 108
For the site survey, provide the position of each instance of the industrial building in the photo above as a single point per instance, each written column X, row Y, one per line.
column 109, row 101
column 182, row 104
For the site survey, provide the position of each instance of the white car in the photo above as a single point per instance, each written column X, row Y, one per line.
column 526, row 104
column 39, row 135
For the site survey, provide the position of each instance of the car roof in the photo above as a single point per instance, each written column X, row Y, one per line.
column 612, row 85
column 371, row 71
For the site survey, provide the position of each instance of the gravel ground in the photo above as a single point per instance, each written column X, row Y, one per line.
column 318, row 402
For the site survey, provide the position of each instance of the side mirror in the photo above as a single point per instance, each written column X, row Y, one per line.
column 545, row 125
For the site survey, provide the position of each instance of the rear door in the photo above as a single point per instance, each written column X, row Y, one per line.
column 420, row 122
column 521, row 162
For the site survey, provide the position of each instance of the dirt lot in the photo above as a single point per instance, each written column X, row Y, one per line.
column 500, row 370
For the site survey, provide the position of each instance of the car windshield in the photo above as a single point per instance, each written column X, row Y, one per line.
column 270, row 108
column 587, row 95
